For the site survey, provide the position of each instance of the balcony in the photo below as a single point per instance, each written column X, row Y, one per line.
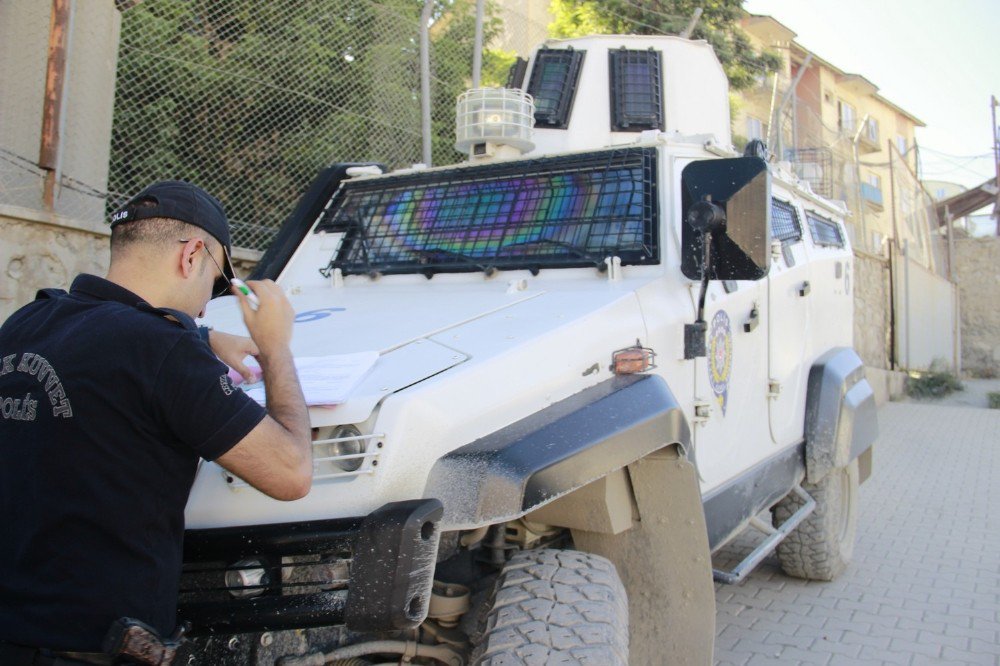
column 867, row 143
column 871, row 194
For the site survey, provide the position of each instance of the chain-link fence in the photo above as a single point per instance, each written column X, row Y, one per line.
column 247, row 99
column 250, row 99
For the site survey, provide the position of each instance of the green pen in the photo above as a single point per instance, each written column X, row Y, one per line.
column 245, row 290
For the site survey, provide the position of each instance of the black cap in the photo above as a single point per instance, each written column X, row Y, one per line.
column 180, row 200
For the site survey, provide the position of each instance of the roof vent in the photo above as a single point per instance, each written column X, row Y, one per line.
column 488, row 120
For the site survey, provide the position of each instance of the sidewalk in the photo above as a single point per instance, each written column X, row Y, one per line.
column 924, row 586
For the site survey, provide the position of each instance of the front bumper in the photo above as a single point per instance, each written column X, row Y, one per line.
column 392, row 553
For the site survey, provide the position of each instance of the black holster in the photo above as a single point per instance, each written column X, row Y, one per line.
column 131, row 641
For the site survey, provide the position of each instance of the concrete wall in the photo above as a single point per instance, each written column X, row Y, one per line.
column 925, row 317
column 977, row 262
column 87, row 103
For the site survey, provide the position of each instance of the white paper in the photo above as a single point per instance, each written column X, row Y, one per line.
column 325, row 380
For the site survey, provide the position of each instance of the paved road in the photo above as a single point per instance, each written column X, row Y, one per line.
column 924, row 586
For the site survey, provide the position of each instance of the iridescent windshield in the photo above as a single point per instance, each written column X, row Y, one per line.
column 566, row 211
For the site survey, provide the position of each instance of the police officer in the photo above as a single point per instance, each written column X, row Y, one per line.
column 108, row 398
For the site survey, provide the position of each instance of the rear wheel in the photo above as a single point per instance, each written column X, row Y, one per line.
column 556, row 607
column 821, row 547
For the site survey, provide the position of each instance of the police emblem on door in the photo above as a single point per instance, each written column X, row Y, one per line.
column 720, row 357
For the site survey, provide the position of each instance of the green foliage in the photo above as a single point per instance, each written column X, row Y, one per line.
column 932, row 384
column 994, row 398
column 718, row 25
column 250, row 99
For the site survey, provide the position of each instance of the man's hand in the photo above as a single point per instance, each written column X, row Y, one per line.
column 276, row 456
column 232, row 350
column 270, row 325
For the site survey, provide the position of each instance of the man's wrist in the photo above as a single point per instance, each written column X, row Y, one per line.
column 274, row 355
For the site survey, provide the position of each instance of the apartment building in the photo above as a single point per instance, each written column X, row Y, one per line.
column 838, row 133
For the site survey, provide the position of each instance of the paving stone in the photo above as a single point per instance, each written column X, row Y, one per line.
column 952, row 656
column 924, row 586
column 857, row 638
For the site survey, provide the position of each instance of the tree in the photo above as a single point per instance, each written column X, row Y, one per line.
column 718, row 26
column 250, row 99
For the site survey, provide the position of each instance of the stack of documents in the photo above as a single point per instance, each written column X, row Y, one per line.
column 325, row 380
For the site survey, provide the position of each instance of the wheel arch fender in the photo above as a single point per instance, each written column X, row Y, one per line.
column 565, row 446
column 841, row 420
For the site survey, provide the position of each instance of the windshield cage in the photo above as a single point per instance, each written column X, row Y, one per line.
column 562, row 211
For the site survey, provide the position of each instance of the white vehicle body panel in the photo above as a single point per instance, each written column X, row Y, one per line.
column 463, row 355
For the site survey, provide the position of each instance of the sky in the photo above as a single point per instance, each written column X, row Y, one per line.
column 937, row 59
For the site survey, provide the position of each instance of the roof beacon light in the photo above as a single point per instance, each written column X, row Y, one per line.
column 490, row 120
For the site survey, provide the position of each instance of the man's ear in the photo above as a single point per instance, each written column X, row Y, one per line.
column 189, row 255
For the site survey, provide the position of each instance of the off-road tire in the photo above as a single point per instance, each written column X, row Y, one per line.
column 556, row 607
column 821, row 547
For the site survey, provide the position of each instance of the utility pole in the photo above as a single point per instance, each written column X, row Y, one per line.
column 996, row 161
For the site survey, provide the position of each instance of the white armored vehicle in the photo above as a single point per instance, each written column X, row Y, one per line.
column 605, row 347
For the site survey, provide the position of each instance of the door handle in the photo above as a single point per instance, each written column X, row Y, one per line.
column 805, row 289
column 752, row 322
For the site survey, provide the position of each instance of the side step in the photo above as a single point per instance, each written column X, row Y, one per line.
column 767, row 546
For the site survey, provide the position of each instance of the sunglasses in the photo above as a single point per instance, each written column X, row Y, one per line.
column 222, row 283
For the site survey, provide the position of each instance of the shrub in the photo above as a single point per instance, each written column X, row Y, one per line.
column 932, row 384
column 994, row 398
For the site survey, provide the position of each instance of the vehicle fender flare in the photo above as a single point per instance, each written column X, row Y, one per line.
column 565, row 446
column 841, row 419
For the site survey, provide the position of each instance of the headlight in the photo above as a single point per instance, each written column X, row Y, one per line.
column 247, row 578
column 345, row 440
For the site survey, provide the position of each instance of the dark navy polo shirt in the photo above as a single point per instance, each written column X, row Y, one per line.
column 106, row 406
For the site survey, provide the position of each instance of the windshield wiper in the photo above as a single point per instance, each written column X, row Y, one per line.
column 428, row 255
column 574, row 250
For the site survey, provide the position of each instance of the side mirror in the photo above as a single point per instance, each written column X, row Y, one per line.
column 730, row 200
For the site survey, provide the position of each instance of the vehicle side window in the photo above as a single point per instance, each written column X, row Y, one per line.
column 785, row 225
column 636, row 90
column 554, row 78
column 825, row 232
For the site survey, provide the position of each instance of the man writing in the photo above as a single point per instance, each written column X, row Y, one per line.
column 108, row 398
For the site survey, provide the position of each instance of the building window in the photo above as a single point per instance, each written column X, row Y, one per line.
column 871, row 130
column 636, row 90
column 847, row 118
column 755, row 128
column 554, row 78
column 901, row 145
column 871, row 189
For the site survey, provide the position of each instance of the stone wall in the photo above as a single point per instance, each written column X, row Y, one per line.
column 977, row 263
column 871, row 309
column 41, row 251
